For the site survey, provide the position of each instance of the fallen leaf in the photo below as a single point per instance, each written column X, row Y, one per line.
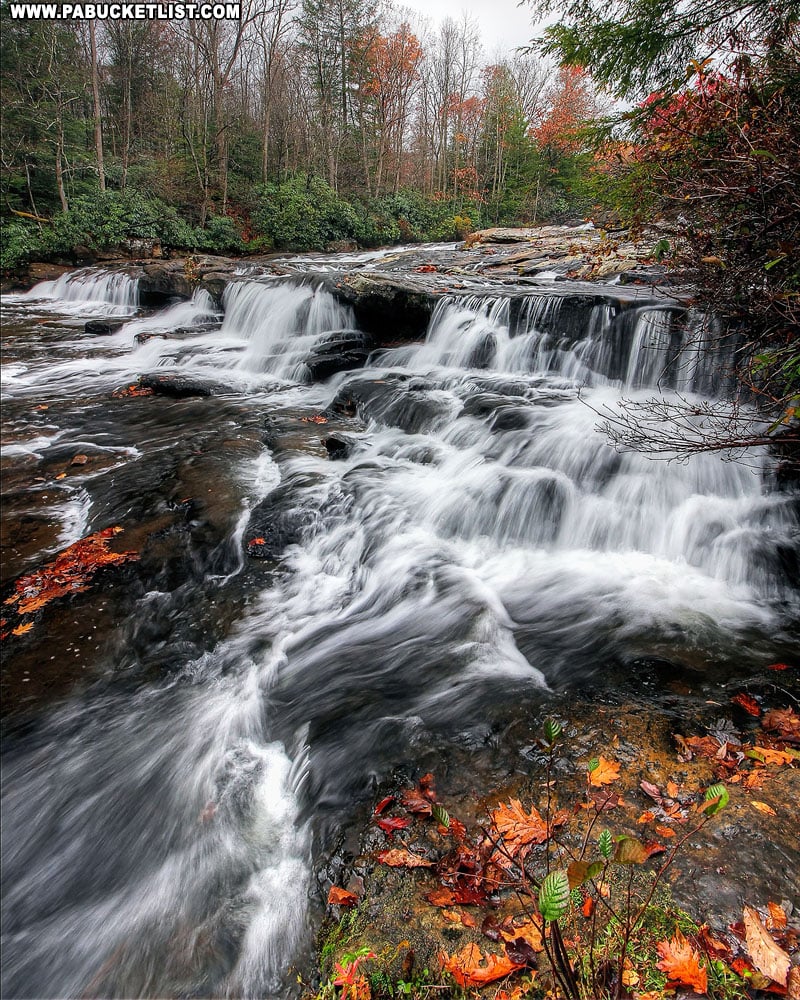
column 441, row 897
column 682, row 963
column 665, row 831
column 748, row 703
column 415, row 802
column 530, row 932
column 779, row 666
column 763, row 808
column 769, row 756
column 79, row 460
column 61, row 475
column 393, row 823
column 587, row 909
column 672, row 789
column 768, row 957
column 646, row 817
column 383, row 805
column 793, row 983
column 630, row 977
column 22, row 629
column 470, row 967
column 399, row 858
column 703, row 746
column 341, row 897
column 69, row 573
column 777, row 919
column 518, row 828
column 784, row 721
column 605, row 772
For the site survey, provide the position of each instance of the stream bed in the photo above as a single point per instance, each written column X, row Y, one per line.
column 335, row 579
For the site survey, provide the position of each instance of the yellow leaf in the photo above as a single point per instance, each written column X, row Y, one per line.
column 763, row 808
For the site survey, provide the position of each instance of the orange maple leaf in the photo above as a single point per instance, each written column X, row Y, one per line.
column 605, row 772
column 518, row 828
column 682, row 963
column 470, row 967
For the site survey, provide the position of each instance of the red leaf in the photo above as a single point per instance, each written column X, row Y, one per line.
column 415, row 803
column 748, row 703
column 392, row 823
column 383, row 805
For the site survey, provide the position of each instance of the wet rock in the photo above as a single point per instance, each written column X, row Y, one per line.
column 100, row 328
column 339, row 446
column 277, row 522
column 340, row 351
column 180, row 386
column 390, row 307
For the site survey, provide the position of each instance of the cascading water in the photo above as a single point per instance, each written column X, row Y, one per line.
column 477, row 539
column 112, row 292
column 281, row 322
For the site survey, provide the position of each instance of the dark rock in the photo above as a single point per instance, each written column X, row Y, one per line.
column 339, row 446
column 278, row 521
column 100, row 328
column 339, row 351
column 179, row 386
column 389, row 307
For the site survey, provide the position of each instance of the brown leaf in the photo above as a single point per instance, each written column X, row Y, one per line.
column 79, row 460
column 605, row 772
column 631, row 852
column 518, row 828
column 784, row 721
column 682, row 963
column 341, row 897
column 577, row 873
column 399, row 858
column 793, row 983
column 470, row 967
column 22, row 629
column 415, row 803
column 665, row 831
column 441, row 897
column 768, row 957
column 646, row 817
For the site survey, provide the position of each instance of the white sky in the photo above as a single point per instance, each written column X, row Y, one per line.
column 503, row 24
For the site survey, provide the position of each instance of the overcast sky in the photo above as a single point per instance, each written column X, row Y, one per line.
column 503, row 24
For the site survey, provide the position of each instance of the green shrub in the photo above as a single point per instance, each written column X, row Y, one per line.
column 221, row 235
column 305, row 213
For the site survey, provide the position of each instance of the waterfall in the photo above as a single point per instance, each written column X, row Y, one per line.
column 596, row 342
column 280, row 321
column 90, row 290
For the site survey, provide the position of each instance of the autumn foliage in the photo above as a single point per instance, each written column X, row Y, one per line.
column 544, row 893
column 71, row 572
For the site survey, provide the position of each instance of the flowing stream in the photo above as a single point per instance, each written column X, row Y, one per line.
column 473, row 541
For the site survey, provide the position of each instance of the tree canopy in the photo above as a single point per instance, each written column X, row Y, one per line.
column 633, row 47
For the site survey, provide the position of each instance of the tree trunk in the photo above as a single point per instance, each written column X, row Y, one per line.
column 98, row 121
